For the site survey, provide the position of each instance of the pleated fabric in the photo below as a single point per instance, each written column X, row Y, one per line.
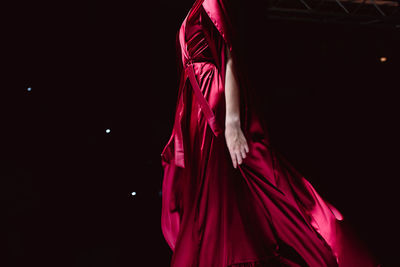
column 264, row 213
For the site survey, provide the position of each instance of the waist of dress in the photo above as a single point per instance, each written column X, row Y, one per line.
column 198, row 60
column 205, row 108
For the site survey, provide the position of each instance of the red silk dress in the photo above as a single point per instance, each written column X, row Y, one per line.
column 264, row 213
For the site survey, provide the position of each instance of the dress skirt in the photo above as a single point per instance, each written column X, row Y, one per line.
column 263, row 213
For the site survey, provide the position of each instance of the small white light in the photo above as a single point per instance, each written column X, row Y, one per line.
column 108, row 130
column 29, row 89
column 133, row 193
column 383, row 59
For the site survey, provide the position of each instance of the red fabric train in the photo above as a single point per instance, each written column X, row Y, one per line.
column 265, row 213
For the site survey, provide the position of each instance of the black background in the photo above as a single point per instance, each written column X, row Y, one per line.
column 330, row 105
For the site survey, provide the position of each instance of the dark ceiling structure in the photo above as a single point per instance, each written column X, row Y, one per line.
column 364, row 12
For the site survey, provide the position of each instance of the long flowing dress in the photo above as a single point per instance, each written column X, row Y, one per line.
column 264, row 213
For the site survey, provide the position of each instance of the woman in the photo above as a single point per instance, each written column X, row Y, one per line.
column 228, row 198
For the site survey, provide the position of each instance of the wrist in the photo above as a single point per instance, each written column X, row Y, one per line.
column 232, row 121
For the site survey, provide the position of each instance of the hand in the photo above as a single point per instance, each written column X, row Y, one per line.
column 237, row 143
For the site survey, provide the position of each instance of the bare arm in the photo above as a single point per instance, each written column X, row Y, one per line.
column 234, row 136
column 231, row 94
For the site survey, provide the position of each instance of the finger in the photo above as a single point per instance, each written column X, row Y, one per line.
column 239, row 157
column 233, row 156
column 243, row 152
column 246, row 146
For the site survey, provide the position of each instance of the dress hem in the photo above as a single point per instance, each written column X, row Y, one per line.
column 271, row 261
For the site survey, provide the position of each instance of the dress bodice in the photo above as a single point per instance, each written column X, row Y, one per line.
column 194, row 42
column 197, row 45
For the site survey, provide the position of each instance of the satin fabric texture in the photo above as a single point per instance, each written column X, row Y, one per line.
column 264, row 213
